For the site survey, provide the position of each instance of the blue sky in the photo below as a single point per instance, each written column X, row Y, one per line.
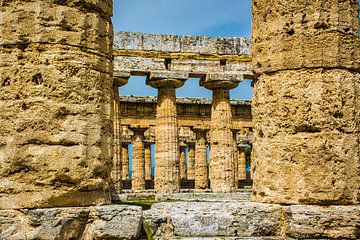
column 225, row 18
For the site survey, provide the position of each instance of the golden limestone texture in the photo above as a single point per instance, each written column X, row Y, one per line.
column 201, row 169
column 167, row 173
column 306, row 102
column 221, row 143
column 56, row 103
column 138, row 163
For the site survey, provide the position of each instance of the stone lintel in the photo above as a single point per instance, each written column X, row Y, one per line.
column 182, row 44
column 221, row 80
column 158, row 79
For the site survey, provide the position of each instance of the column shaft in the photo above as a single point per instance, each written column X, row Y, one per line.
column 235, row 161
column 148, row 164
column 201, row 167
column 221, row 140
column 138, row 162
column 306, row 102
column 191, row 162
column 167, row 175
column 56, row 117
column 241, row 164
column 182, row 163
column 116, row 171
column 125, row 161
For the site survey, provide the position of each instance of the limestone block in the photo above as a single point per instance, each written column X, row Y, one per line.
column 105, row 222
column 198, row 44
column 128, row 41
column 306, row 137
column 138, row 64
column 195, row 66
column 161, row 42
column 56, row 103
column 299, row 34
column 211, row 219
column 233, row 46
column 331, row 222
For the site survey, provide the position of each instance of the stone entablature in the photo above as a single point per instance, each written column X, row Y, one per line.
column 210, row 59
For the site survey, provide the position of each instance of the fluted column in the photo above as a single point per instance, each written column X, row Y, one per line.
column 306, row 55
column 191, row 162
column 221, row 140
column 125, row 161
column 201, row 167
column 167, row 172
column 56, row 97
column 235, row 160
column 182, row 162
column 138, row 161
column 242, row 163
column 221, row 169
column 120, row 79
column 148, row 164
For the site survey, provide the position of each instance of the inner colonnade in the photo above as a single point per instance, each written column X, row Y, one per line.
column 194, row 142
column 168, row 61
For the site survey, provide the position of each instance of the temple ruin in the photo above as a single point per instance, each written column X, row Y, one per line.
column 62, row 127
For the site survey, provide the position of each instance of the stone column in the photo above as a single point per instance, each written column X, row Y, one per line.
column 221, row 137
column 125, row 161
column 201, row 168
column 242, row 163
column 235, row 160
column 306, row 102
column 120, row 79
column 138, row 161
column 191, row 162
column 167, row 174
column 182, row 162
column 56, row 118
column 148, row 164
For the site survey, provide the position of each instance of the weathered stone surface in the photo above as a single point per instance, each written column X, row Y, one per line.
column 221, row 143
column 306, row 146
column 213, row 219
column 298, row 34
column 185, row 44
column 167, row 173
column 306, row 104
column 148, row 164
column 201, row 168
column 105, row 222
column 138, row 163
column 56, row 103
column 125, row 161
column 314, row 222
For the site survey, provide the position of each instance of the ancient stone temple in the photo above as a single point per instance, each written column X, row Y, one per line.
column 66, row 132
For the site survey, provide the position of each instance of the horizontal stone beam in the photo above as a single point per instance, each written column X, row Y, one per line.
column 183, row 44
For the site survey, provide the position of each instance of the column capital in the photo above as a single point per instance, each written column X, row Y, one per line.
column 159, row 79
column 121, row 78
column 221, row 80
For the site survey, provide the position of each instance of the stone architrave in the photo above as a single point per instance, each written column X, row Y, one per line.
column 56, row 101
column 167, row 172
column 221, row 169
column 306, row 104
column 191, row 162
column 182, row 162
column 201, row 167
column 138, row 161
column 148, row 164
column 125, row 161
